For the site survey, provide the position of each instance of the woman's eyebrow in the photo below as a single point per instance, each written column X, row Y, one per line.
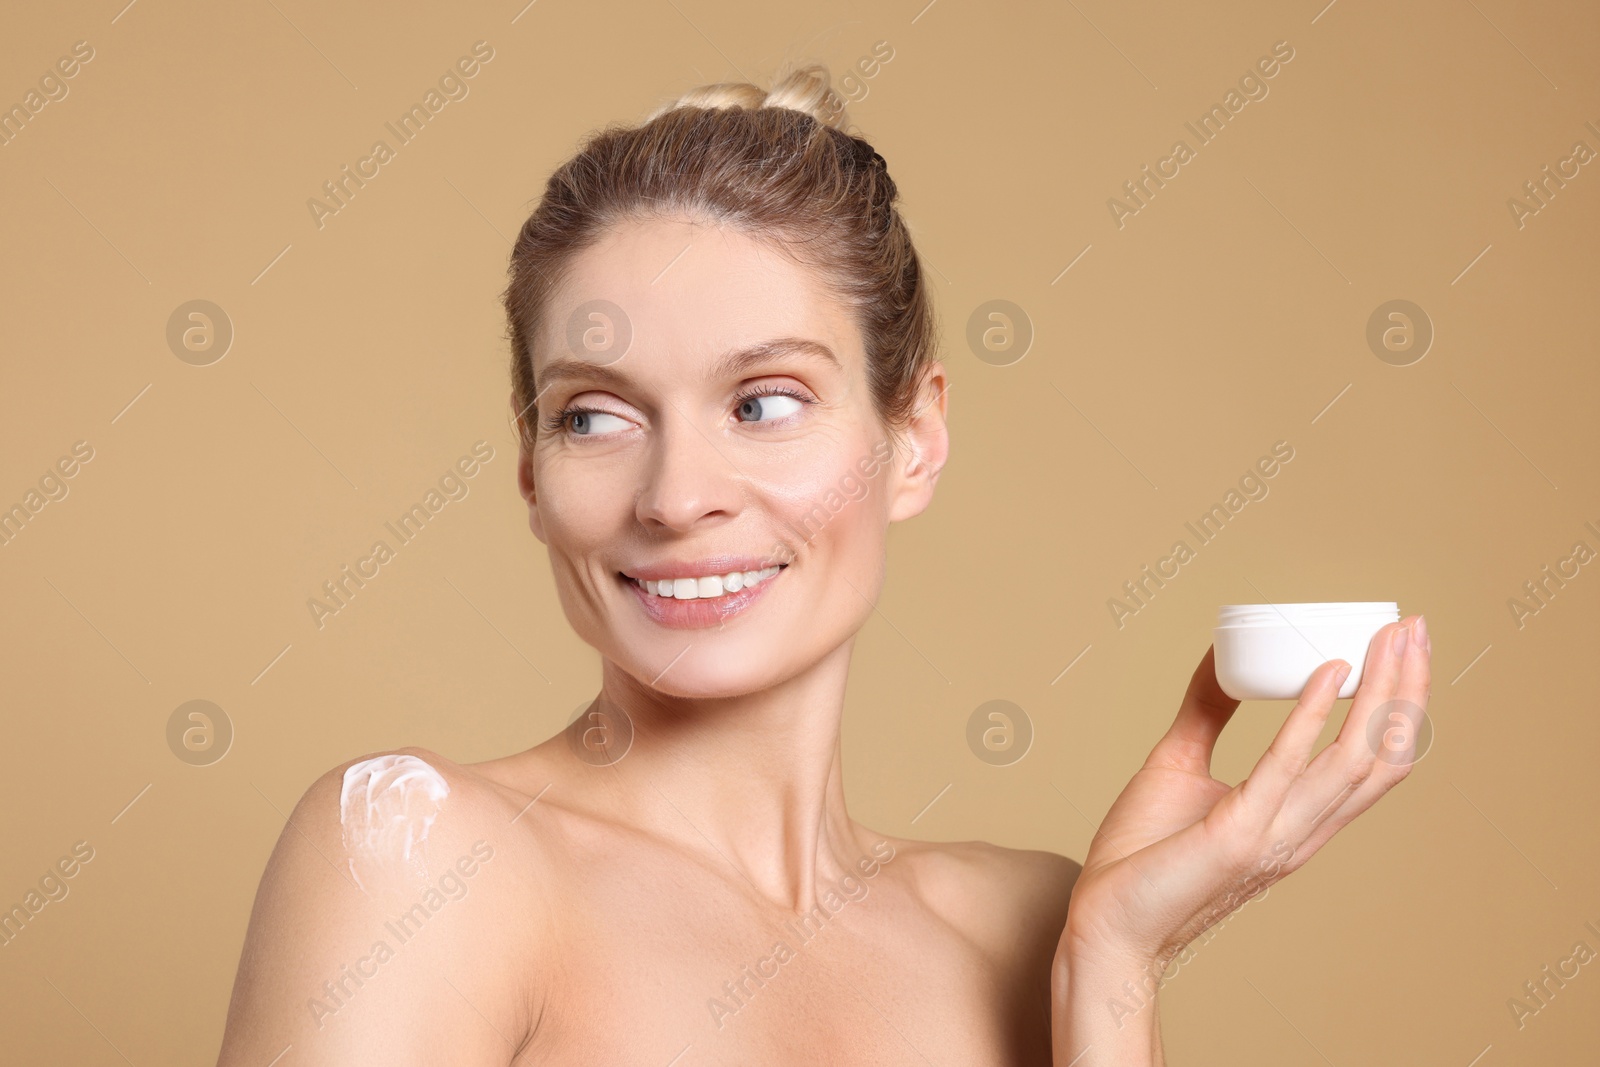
column 741, row 360
column 563, row 369
column 731, row 364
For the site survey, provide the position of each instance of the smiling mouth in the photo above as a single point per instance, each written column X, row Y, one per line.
column 707, row 587
column 686, row 601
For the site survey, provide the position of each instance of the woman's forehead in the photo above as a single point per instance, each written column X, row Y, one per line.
column 688, row 291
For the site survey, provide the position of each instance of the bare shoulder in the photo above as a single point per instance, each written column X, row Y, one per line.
column 394, row 874
column 389, row 818
column 475, row 797
column 992, row 892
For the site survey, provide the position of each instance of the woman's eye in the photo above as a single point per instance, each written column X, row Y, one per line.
column 589, row 423
column 766, row 408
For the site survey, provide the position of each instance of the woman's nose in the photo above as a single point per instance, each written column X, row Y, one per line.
column 688, row 481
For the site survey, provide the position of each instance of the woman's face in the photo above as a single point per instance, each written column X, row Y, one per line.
column 709, row 434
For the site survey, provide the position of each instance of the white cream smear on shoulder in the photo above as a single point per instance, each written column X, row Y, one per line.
column 386, row 806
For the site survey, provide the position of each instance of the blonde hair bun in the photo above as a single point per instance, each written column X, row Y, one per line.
column 808, row 89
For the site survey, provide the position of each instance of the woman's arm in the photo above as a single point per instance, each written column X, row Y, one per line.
column 407, row 967
column 1179, row 850
column 1103, row 1010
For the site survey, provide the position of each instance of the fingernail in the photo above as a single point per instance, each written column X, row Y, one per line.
column 1401, row 633
column 1422, row 632
column 1340, row 674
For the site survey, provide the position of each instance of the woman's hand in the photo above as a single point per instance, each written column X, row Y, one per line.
column 1179, row 850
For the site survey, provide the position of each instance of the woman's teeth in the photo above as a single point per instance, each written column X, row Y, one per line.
column 702, row 588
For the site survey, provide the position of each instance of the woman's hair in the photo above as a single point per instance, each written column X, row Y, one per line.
column 775, row 164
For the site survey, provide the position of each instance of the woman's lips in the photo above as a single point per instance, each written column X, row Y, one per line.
column 701, row 612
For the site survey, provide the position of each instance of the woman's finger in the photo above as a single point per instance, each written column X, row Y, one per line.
column 1290, row 752
column 1189, row 741
column 1380, row 682
column 1376, row 747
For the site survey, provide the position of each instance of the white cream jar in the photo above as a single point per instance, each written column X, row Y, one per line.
column 1269, row 651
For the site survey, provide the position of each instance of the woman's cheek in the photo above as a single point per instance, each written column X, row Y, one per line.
column 583, row 501
column 827, row 502
column 584, row 513
column 796, row 499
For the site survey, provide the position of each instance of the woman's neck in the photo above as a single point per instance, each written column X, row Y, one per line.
column 753, row 781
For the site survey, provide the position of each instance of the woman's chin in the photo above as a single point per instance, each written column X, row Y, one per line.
column 698, row 688
column 711, row 669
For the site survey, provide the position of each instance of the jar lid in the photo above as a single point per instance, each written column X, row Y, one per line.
column 1306, row 613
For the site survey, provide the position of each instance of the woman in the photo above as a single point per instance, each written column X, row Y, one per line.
column 725, row 392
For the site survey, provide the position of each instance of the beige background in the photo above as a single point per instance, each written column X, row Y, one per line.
column 1228, row 314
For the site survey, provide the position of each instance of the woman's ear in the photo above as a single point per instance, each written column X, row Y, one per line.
column 525, row 484
column 926, row 446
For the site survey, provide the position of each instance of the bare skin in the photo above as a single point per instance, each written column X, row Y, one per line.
column 605, row 930
column 679, row 881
